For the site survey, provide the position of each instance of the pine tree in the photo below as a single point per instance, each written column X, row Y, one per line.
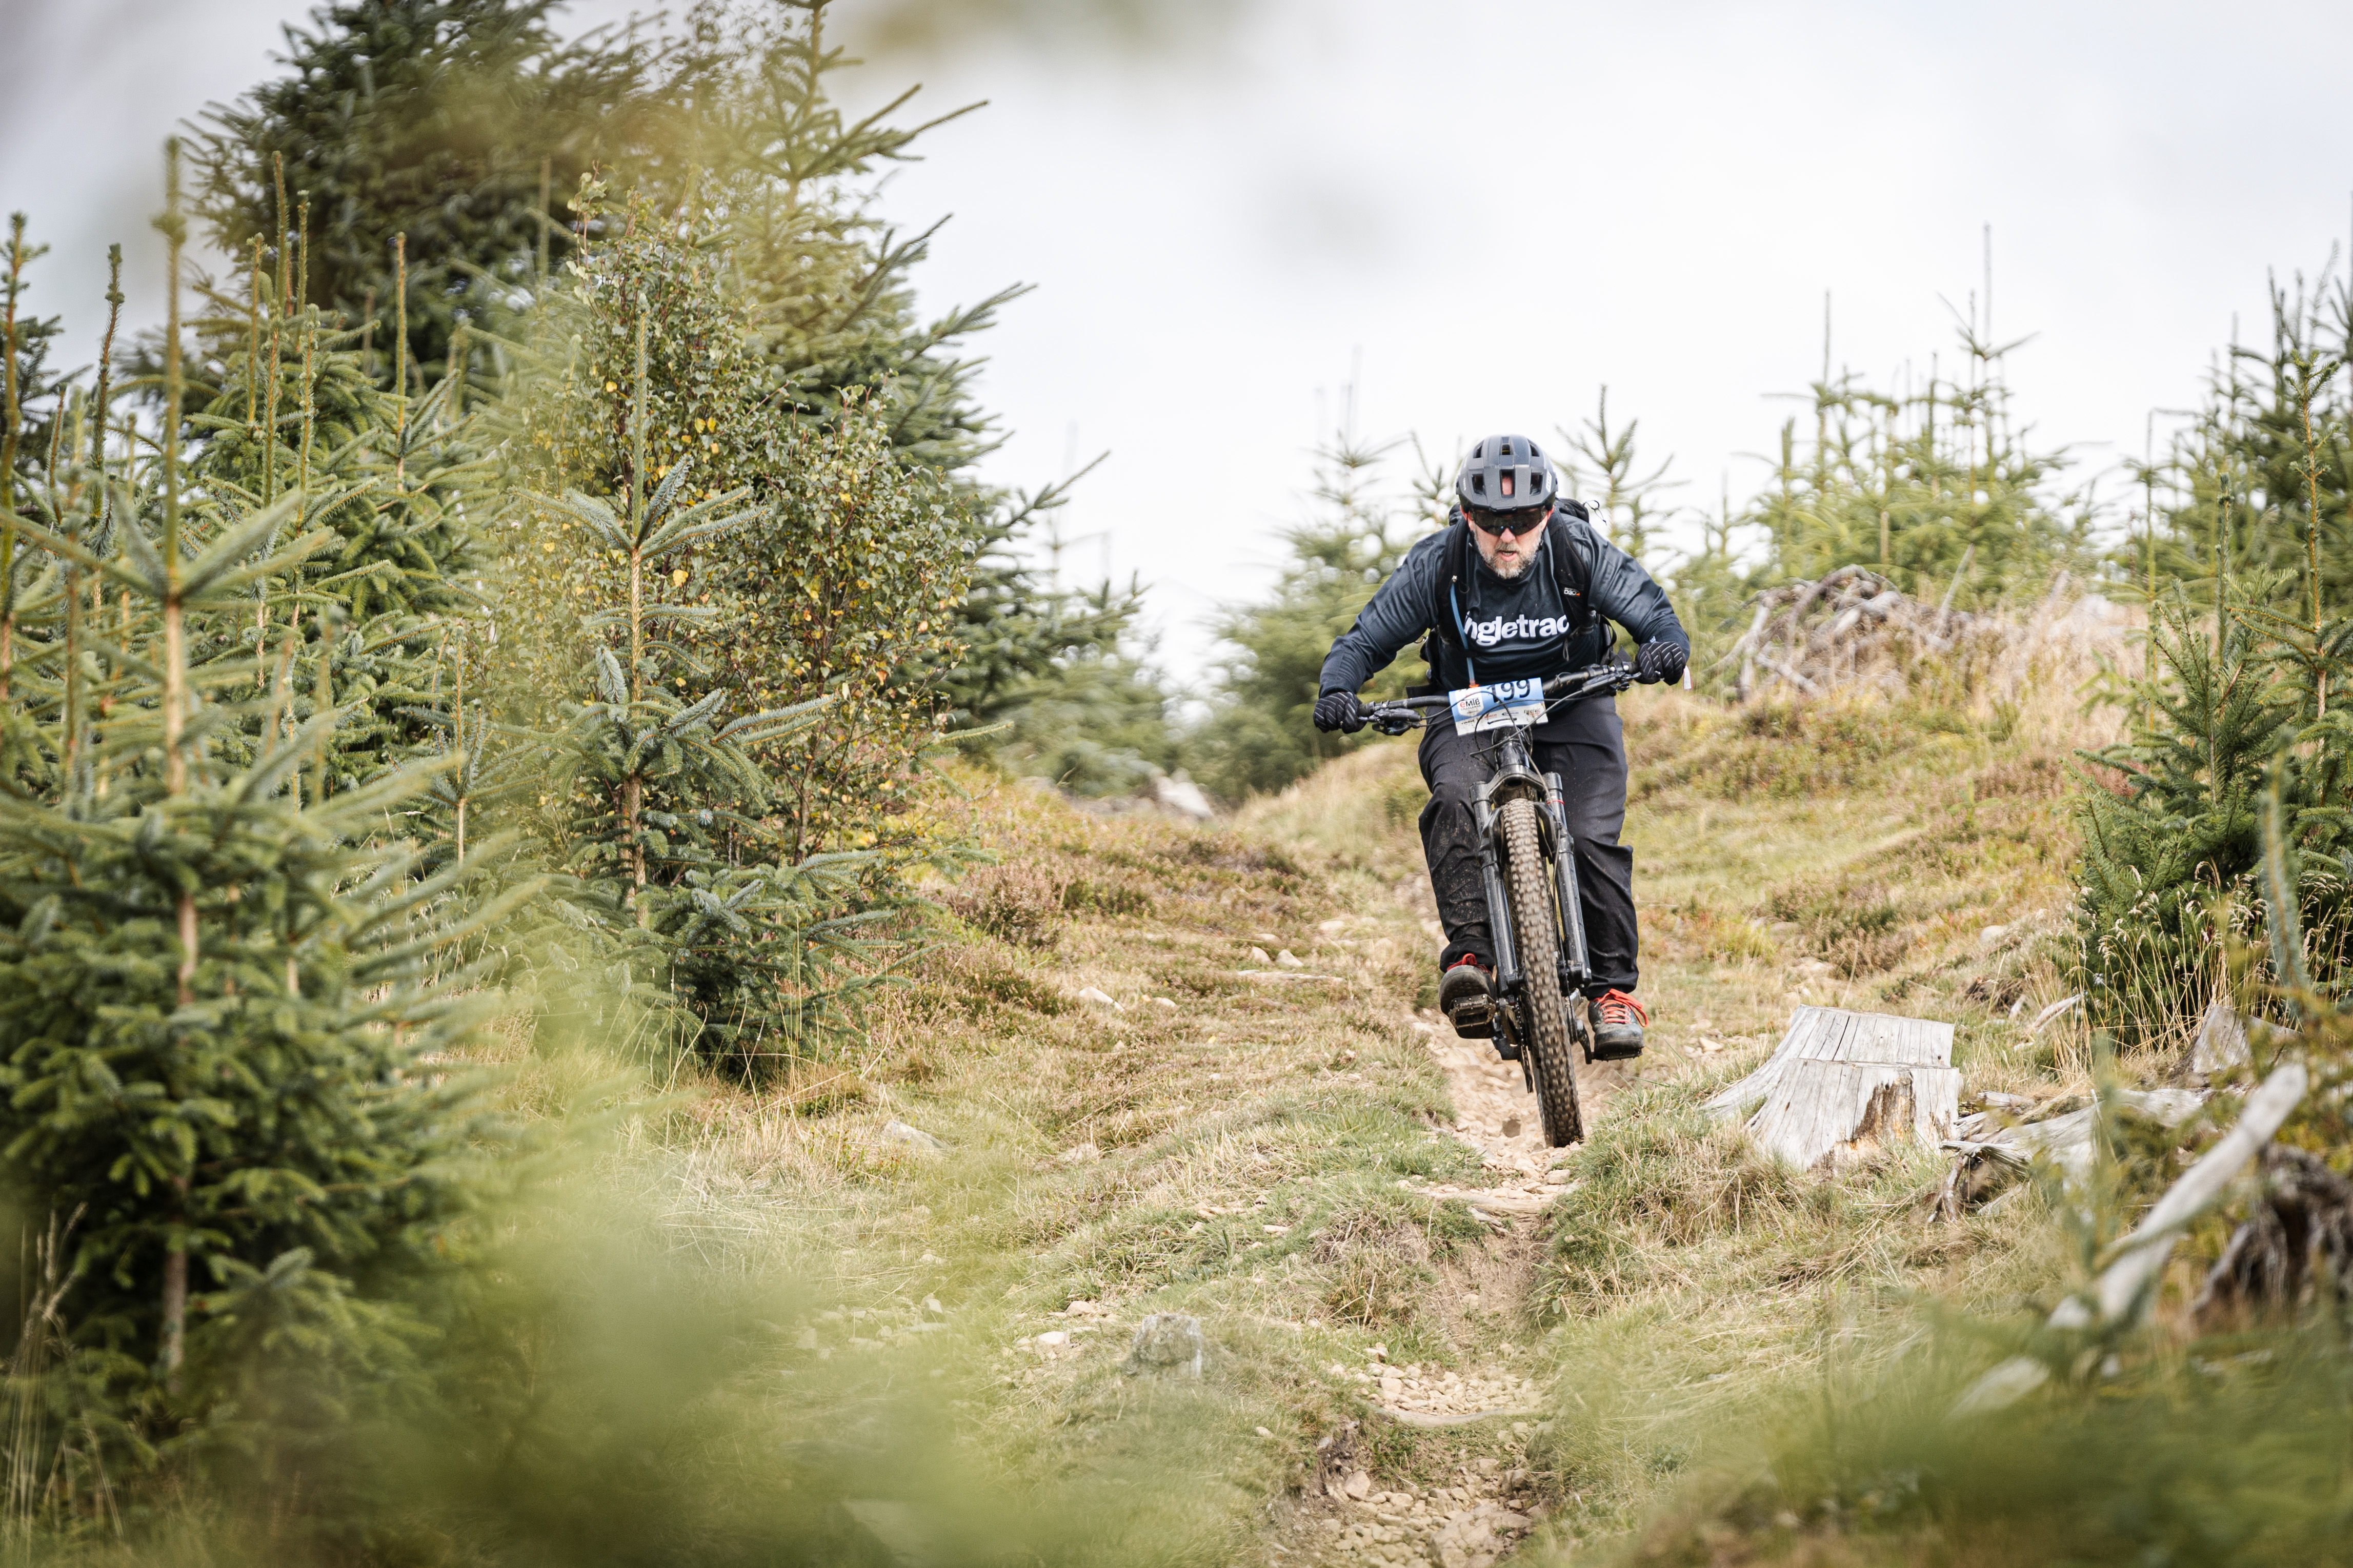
column 1936, row 488
column 1094, row 717
column 446, row 121
column 2173, row 856
column 400, row 482
column 29, row 384
column 828, row 290
column 219, row 993
column 730, row 115
column 2256, row 487
column 741, row 610
column 28, row 430
column 1626, row 495
column 1259, row 736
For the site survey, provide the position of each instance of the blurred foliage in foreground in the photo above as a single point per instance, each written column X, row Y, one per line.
column 577, row 677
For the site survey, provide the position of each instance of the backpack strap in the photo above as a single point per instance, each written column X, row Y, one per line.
column 1454, row 560
column 1572, row 568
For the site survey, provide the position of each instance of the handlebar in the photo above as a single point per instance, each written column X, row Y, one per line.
column 1403, row 713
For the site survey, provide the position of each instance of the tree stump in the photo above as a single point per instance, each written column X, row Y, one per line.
column 1841, row 1084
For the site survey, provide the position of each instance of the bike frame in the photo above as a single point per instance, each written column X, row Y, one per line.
column 1516, row 777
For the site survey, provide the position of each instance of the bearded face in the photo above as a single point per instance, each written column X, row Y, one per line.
column 1509, row 565
column 1507, row 555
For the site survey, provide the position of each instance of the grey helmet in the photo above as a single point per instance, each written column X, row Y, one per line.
column 1506, row 473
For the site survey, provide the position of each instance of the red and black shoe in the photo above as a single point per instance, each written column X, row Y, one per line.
column 1618, row 1022
column 1467, row 996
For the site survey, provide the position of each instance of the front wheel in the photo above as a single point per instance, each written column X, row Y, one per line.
column 1536, row 932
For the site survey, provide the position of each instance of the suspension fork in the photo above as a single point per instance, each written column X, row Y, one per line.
column 1576, row 964
column 1499, row 908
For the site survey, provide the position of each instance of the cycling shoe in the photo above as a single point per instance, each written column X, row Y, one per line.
column 1618, row 1021
column 1468, row 999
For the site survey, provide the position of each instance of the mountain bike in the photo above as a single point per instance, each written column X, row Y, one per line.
column 1526, row 863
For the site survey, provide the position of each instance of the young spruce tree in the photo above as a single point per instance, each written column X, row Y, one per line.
column 225, row 1017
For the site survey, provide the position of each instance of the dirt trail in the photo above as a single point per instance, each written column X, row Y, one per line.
column 1482, row 1511
column 1495, row 1113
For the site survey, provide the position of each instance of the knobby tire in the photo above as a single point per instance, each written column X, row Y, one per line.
column 1528, row 882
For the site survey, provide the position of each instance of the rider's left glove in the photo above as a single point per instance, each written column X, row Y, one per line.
column 1339, row 710
column 1660, row 658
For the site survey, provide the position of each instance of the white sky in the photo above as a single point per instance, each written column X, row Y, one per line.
column 1498, row 205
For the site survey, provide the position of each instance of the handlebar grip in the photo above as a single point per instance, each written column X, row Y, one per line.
column 1579, row 682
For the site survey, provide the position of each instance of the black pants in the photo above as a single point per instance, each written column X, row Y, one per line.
column 1586, row 745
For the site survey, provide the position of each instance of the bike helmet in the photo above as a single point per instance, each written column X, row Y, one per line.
column 1506, row 473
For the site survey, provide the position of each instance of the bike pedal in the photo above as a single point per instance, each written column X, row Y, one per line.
column 1473, row 1021
column 1612, row 1054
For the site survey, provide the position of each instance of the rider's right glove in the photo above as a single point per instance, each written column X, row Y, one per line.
column 1660, row 659
column 1339, row 710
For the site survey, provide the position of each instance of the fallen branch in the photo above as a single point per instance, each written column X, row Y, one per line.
column 2120, row 1294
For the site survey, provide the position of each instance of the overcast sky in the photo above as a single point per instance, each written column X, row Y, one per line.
column 1492, row 207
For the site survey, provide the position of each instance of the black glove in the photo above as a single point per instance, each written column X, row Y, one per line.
column 1339, row 710
column 1660, row 659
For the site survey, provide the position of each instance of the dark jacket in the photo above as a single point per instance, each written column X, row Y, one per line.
column 1551, row 618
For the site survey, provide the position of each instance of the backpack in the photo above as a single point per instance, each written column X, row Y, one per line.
column 1571, row 571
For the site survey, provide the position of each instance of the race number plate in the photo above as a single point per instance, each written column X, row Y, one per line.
column 1498, row 707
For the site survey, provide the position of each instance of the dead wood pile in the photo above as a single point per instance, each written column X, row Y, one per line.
column 2298, row 1239
column 1853, row 628
column 1856, row 629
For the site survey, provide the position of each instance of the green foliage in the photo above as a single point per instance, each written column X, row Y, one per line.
column 730, row 117
column 1093, row 717
column 661, row 560
column 1626, row 495
column 405, row 493
column 409, row 539
column 221, row 994
column 739, row 642
column 2173, row 848
column 826, row 294
column 1939, row 488
column 849, row 595
column 2256, row 488
column 825, row 287
column 29, row 384
column 1259, row 736
column 439, row 120
column 1936, row 486
column 2223, row 1456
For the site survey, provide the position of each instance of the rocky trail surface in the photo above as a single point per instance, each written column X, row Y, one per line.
column 1475, row 1517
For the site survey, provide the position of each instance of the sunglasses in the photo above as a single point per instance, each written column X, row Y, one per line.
column 1511, row 523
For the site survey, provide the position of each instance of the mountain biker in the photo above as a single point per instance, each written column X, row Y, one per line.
column 1533, row 602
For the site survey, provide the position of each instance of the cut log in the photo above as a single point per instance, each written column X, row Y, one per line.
column 1843, row 1083
column 2222, row 1042
column 2226, row 1042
